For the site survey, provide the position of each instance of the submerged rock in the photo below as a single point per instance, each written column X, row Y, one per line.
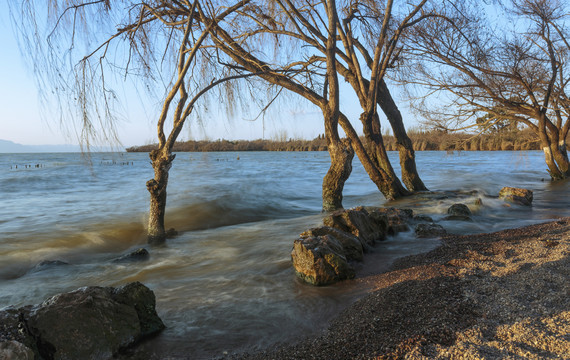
column 429, row 230
column 48, row 264
column 423, row 218
column 140, row 254
column 319, row 260
column 458, row 212
column 516, row 195
column 88, row 323
column 171, row 233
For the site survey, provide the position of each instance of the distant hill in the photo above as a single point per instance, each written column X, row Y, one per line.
column 7, row 146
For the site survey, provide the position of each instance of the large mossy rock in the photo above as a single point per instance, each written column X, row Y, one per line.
column 367, row 227
column 351, row 246
column 320, row 260
column 516, row 195
column 88, row 323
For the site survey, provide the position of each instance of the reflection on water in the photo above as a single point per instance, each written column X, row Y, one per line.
column 226, row 284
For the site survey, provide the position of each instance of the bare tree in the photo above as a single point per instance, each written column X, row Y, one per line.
column 304, row 23
column 381, row 25
column 153, row 40
column 516, row 71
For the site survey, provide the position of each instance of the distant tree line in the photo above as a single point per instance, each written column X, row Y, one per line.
column 422, row 141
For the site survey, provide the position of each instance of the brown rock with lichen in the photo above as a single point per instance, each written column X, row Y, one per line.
column 516, row 195
column 320, row 260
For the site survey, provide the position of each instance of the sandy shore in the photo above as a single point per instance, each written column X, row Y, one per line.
column 504, row 295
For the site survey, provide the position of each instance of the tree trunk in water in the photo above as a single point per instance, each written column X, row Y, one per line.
column 547, row 147
column 161, row 163
column 391, row 188
column 377, row 151
column 560, row 155
column 410, row 175
column 341, row 154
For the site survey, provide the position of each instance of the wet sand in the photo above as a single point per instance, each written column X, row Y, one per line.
column 486, row 296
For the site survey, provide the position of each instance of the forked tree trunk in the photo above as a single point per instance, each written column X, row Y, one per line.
column 556, row 160
column 341, row 154
column 410, row 175
column 560, row 155
column 161, row 163
column 390, row 187
column 377, row 151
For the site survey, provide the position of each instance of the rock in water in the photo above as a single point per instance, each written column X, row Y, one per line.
column 458, row 212
column 397, row 218
column 429, row 230
column 140, row 254
column 88, row 323
column 351, row 246
column 360, row 223
column 516, row 195
column 319, row 260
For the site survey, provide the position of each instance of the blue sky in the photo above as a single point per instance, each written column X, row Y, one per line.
column 23, row 119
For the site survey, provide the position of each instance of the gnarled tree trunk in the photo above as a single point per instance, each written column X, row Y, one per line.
column 410, row 175
column 389, row 186
column 341, row 154
column 161, row 163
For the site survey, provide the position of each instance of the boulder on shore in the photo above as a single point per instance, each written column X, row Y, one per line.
column 516, row 195
column 88, row 323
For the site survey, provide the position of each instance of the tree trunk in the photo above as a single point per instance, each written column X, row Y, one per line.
column 410, row 175
column 390, row 187
column 560, row 156
column 341, row 154
column 375, row 143
column 161, row 163
column 547, row 147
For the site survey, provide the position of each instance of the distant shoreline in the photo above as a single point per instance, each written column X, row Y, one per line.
column 431, row 140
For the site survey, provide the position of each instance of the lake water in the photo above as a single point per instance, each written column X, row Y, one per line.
column 225, row 284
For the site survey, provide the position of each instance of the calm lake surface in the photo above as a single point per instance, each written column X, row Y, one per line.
column 226, row 283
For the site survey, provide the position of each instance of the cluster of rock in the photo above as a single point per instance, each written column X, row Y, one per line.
column 326, row 254
column 88, row 323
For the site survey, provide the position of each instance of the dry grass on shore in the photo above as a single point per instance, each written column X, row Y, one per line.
column 503, row 295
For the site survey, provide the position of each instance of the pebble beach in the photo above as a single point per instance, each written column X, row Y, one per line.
column 503, row 295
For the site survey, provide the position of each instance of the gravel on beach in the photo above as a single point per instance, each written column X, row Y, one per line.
column 504, row 295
